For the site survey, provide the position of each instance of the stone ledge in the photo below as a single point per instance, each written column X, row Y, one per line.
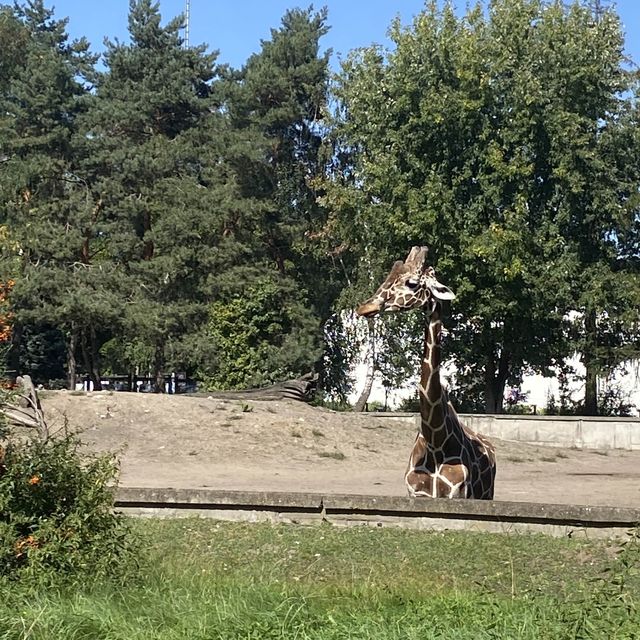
column 216, row 498
column 358, row 506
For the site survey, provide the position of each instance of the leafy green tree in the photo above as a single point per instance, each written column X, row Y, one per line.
column 608, row 291
column 485, row 138
column 599, row 216
column 269, row 331
column 340, row 350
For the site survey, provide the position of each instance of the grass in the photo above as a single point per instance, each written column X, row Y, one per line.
column 335, row 455
column 203, row 579
column 554, row 457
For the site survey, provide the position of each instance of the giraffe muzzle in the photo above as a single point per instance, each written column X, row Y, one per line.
column 369, row 309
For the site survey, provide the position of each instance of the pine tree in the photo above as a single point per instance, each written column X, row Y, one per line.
column 156, row 139
column 277, row 104
column 52, row 239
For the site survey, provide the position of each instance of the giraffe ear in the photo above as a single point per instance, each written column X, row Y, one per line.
column 397, row 267
column 441, row 292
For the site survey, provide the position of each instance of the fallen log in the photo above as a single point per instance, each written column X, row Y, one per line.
column 301, row 389
column 23, row 409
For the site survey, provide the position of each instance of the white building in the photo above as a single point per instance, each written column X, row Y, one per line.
column 537, row 388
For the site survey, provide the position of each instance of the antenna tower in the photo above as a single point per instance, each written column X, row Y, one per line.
column 187, row 17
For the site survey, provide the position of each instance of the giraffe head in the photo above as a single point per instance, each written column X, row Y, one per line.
column 410, row 284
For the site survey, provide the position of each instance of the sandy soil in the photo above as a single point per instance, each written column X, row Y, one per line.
column 179, row 441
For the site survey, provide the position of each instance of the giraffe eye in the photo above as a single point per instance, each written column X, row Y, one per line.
column 412, row 284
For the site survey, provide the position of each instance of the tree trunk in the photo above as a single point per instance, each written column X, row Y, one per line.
column 361, row 402
column 591, row 372
column 158, row 374
column 95, row 359
column 495, row 382
column 71, row 357
column 489, row 388
column 13, row 356
column 590, row 391
column 90, row 357
column 489, row 398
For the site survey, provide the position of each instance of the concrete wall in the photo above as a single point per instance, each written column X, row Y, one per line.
column 346, row 510
column 560, row 431
column 554, row 431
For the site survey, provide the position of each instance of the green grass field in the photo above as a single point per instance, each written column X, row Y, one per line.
column 201, row 579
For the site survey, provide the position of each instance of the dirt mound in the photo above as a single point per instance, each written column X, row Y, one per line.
column 184, row 441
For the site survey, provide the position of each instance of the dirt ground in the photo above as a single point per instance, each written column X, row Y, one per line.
column 196, row 442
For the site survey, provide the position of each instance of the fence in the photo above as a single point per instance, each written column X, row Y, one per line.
column 173, row 383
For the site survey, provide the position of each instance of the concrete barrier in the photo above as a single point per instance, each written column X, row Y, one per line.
column 561, row 431
column 420, row 513
column 581, row 432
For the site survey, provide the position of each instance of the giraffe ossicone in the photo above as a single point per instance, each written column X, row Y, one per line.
column 448, row 460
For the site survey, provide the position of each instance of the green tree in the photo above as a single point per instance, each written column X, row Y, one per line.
column 156, row 136
column 599, row 174
column 282, row 96
column 52, row 246
column 479, row 136
column 269, row 331
column 278, row 101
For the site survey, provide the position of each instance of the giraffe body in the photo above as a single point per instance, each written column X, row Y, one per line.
column 463, row 468
column 448, row 460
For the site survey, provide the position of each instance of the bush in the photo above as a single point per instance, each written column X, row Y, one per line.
column 56, row 513
column 410, row 404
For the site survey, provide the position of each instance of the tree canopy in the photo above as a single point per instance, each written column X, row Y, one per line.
column 162, row 212
column 139, row 200
column 502, row 139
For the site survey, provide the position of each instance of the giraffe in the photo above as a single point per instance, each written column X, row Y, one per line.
column 448, row 460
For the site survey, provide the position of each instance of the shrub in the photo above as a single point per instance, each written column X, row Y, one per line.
column 375, row 406
column 410, row 404
column 56, row 512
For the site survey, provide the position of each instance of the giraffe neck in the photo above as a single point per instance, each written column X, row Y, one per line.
column 433, row 400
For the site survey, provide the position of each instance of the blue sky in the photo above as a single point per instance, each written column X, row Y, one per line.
column 235, row 27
